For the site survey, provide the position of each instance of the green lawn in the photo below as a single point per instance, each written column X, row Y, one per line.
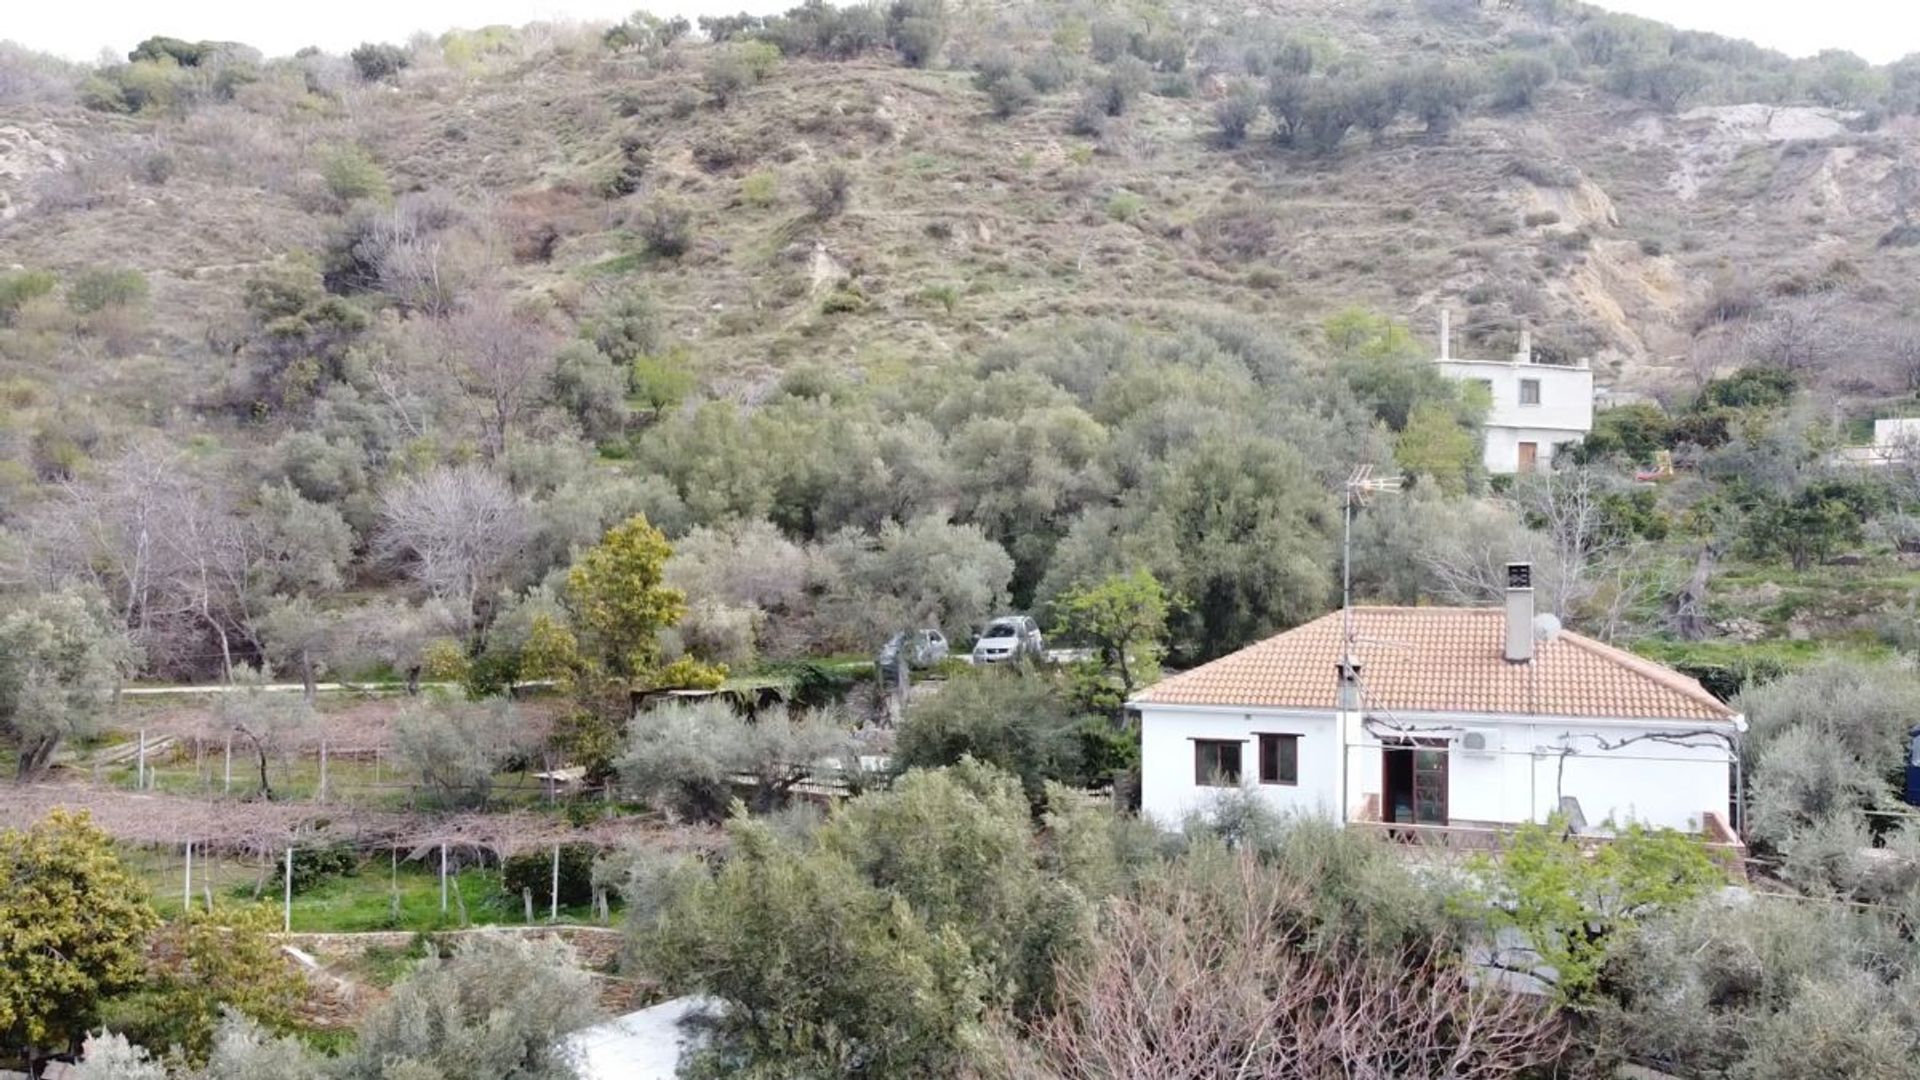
column 378, row 896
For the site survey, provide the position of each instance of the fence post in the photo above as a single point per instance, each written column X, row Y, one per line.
column 553, row 911
column 186, row 889
column 286, row 919
column 443, row 877
column 226, row 782
column 323, row 769
column 526, row 901
column 140, row 766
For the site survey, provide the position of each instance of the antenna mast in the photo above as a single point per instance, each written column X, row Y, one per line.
column 1360, row 483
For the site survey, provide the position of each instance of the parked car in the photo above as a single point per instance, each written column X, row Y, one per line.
column 1009, row 637
column 920, row 648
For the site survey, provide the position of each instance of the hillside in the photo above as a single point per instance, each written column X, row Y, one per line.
column 799, row 214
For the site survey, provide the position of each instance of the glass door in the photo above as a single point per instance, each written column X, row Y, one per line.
column 1430, row 786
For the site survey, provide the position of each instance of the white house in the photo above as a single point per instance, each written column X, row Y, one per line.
column 1896, row 441
column 1537, row 408
column 1446, row 717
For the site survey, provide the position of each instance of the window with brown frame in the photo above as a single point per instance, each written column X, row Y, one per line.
column 1279, row 759
column 1216, row 762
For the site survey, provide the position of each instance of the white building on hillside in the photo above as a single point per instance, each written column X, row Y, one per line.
column 1456, row 720
column 1537, row 408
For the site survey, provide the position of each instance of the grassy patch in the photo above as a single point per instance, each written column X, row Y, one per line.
column 379, row 896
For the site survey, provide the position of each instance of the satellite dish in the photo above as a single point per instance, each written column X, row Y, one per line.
column 1546, row 627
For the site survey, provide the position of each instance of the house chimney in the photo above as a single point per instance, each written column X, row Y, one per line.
column 1519, row 612
column 1446, row 334
column 1525, row 355
column 1349, row 674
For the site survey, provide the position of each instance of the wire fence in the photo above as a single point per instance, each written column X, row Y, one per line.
column 332, row 887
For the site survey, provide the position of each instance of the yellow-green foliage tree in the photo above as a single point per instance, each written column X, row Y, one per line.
column 1124, row 619
column 202, row 965
column 1435, row 444
column 73, row 931
column 1572, row 905
column 620, row 601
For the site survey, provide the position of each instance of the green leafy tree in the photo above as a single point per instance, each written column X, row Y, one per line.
column 1241, row 531
column 1436, row 444
column 60, row 663
column 859, row 985
column 1015, row 721
column 202, row 966
column 1806, row 526
column 73, row 929
column 1572, row 904
column 1124, row 618
column 619, row 600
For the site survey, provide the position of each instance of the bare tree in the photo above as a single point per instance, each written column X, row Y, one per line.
column 502, row 358
column 1568, row 509
column 459, row 531
column 1805, row 336
column 1228, row 978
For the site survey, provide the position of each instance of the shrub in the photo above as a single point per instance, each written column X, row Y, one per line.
column 351, row 173
column 317, row 864
column 1089, row 116
column 1010, row 94
column 379, row 61
column 760, row 190
column 737, row 66
column 499, row 1006
column 918, row 37
column 20, row 287
column 1126, row 79
column 1517, row 77
column 829, row 190
column 100, row 290
column 1048, row 72
column 1438, row 94
column 1235, row 113
column 532, row 872
column 665, row 227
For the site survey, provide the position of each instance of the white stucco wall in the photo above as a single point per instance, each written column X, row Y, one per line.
column 1167, row 789
column 1518, row 777
column 1564, row 414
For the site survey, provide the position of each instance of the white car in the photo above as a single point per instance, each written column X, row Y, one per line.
column 1009, row 637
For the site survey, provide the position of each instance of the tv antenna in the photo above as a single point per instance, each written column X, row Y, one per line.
column 1360, row 484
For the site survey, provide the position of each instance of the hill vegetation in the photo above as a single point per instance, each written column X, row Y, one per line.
column 594, row 360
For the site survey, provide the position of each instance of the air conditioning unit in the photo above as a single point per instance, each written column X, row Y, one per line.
column 1479, row 742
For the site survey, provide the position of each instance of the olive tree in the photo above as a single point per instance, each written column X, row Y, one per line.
column 455, row 747
column 499, row 1006
column 61, row 661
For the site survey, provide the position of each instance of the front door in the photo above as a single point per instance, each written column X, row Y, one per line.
column 1414, row 786
column 1529, row 457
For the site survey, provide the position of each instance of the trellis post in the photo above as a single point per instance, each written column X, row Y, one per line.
column 286, row 917
column 553, row 910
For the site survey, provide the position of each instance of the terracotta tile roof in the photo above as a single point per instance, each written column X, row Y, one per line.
column 1434, row 659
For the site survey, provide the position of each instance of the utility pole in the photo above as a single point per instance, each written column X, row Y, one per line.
column 1360, row 483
